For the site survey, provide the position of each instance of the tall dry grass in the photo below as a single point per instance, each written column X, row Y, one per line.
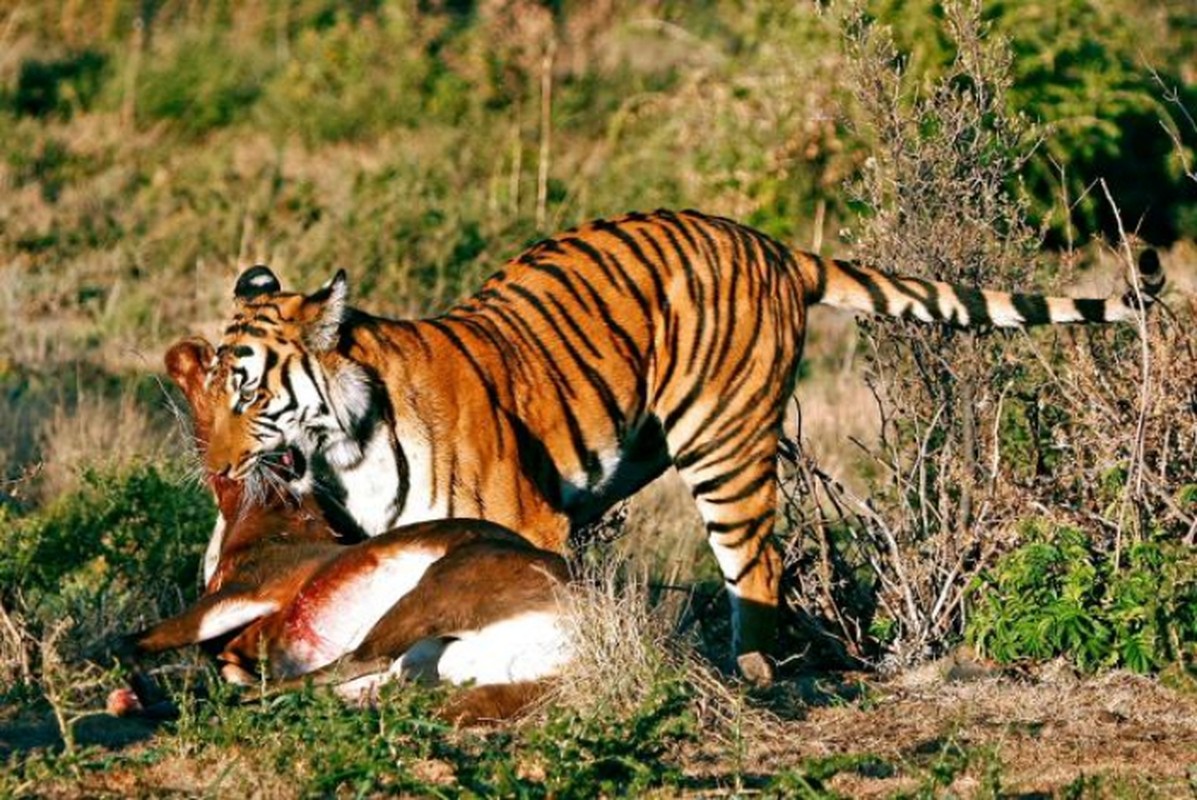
column 628, row 649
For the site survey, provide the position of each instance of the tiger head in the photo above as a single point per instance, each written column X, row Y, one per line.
column 280, row 389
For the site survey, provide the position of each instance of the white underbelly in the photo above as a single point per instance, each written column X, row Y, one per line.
column 524, row 648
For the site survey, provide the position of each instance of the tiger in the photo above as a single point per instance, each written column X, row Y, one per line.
column 578, row 373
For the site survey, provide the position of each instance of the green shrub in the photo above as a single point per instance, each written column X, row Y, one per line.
column 138, row 529
column 1059, row 595
column 1083, row 74
column 58, row 86
column 202, row 84
column 358, row 79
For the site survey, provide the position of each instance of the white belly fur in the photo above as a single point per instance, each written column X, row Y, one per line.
column 372, row 486
column 529, row 647
column 524, row 648
column 212, row 553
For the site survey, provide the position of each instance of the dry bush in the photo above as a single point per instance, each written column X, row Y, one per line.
column 979, row 431
column 628, row 650
column 622, row 645
column 99, row 433
column 16, row 648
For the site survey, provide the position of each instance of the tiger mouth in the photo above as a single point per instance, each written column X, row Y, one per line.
column 288, row 463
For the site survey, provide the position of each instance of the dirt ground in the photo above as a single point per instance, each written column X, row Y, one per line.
column 1047, row 735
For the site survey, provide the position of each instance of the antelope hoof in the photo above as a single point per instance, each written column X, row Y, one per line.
column 123, row 702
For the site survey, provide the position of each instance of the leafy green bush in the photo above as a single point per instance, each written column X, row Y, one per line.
column 204, row 83
column 358, row 79
column 1083, row 74
column 137, row 527
column 1058, row 595
column 58, row 86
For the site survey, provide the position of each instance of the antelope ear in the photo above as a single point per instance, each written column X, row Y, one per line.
column 187, row 362
column 323, row 311
column 256, row 280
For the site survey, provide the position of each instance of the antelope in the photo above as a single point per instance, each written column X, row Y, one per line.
column 461, row 600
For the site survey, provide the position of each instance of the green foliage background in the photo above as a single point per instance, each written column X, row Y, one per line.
column 151, row 149
column 153, row 145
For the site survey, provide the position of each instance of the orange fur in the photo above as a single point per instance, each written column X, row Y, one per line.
column 586, row 367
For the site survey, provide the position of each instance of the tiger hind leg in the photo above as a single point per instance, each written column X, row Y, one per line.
column 736, row 493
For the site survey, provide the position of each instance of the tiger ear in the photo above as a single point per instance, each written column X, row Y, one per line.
column 323, row 311
column 256, row 280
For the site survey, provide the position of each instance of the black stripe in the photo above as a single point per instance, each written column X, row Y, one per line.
column 562, row 277
column 1091, row 310
column 719, row 338
column 289, row 390
column 693, row 284
column 530, row 341
column 725, row 477
column 1031, row 307
column 728, row 527
column 635, row 357
column 753, row 533
column 654, row 270
column 562, row 313
column 592, row 376
column 587, row 458
column 876, row 295
column 729, row 433
column 817, row 291
column 746, row 491
column 696, row 290
column 307, row 369
column 246, row 328
column 611, row 272
column 492, row 393
column 975, row 304
column 715, row 437
column 683, row 406
column 672, row 335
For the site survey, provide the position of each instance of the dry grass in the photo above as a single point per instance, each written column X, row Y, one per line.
column 99, row 433
column 621, row 642
column 1044, row 734
column 1118, row 734
column 628, row 648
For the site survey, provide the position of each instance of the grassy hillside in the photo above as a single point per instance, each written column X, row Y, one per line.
column 1032, row 496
